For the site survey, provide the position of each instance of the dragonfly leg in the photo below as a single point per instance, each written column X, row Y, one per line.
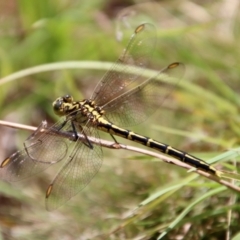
column 86, row 142
column 114, row 139
column 116, row 144
column 75, row 135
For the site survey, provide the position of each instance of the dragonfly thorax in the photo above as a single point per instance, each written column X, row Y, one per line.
column 85, row 109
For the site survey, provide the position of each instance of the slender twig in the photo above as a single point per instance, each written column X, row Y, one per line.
column 113, row 145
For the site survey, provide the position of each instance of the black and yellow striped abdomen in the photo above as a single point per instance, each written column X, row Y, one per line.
column 197, row 163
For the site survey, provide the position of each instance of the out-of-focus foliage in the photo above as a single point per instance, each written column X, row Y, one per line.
column 205, row 37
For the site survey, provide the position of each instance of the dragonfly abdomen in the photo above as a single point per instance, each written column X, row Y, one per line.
column 161, row 147
column 182, row 156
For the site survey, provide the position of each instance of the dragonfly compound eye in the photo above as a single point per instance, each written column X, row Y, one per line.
column 58, row 106
column 68, row 98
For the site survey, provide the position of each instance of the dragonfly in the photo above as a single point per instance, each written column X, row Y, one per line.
column 122, row 98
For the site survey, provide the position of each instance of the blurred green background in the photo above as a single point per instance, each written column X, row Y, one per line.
column 201, row 117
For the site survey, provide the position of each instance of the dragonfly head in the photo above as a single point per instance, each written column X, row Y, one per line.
column 63, row 105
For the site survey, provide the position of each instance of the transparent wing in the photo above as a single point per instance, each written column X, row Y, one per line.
column 138, row 104
column 42, row 149
column 137, row 53
column 81, row 166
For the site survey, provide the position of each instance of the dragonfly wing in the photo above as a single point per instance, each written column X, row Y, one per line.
column 42, row 149
column 137, row 53
column 139, row 103
column 82, row 165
